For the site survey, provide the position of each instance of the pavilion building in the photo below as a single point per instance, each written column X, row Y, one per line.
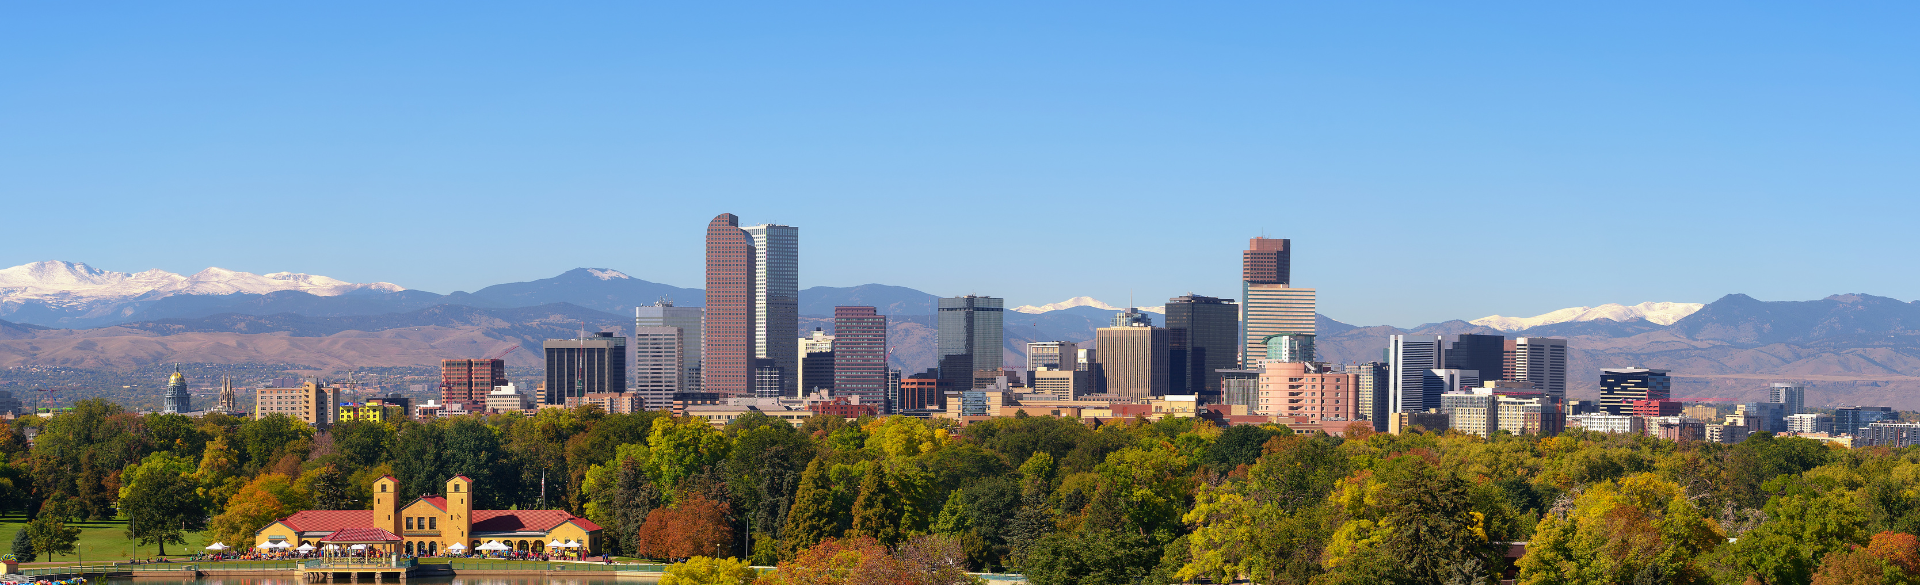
column 431, row 523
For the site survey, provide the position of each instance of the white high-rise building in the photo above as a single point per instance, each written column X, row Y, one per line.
column 1273, row 309
column 776, row 300
column 1409, row 360
column 658, row 365
column 1059, row 355
column 690, row 322
column 1540, row 360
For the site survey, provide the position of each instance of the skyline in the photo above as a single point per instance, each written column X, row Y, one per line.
column 1676, row 158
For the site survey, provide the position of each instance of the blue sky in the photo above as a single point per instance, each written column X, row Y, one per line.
column 1429, row 160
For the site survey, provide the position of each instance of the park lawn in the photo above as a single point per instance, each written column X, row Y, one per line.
column 102, row 542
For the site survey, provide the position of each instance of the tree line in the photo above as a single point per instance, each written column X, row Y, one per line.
column 1132, row 501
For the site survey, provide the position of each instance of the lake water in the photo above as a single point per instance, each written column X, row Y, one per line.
column 475, row 580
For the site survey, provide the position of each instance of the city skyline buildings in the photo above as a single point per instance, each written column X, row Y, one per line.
column 860, row 355
column 970, row 338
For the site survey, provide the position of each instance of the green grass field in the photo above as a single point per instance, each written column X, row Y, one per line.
column 102, row 542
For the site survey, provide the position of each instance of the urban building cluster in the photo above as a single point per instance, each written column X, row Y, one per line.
column 1251, row 361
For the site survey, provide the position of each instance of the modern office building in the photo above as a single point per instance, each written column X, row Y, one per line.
column 728, row 342
column 1438, row 382
column 1202, row 339
column 1061, row 384
column 1484, row 354
column 1370, row 393
column 1270, row 304
column 1543, row 361
column 1809, row 423
column 692, row 324
column 1472, row 410
column 971, row 338
column 1289, row 347
column 177, row 400
column 310, row 402
column 1409, row 359
column 1619, row 387
column 921, row 392
column 1794, row 396
column 1058, row 355
column 776, row 300
column 1761, row 417
column 1240, row 387
column 860, row 355
column 589, row 365
column 1132, row 317
column 1853, row 420
column 467, row 382
column 1133, row 360
column 658, row 365
column 1305, row 390
column 816, row 362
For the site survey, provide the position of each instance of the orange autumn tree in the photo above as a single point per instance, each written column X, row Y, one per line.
column 695, row 527
column 1891, row 557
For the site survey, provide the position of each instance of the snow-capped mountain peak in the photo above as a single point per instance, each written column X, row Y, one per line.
column 73, row 283
column 1658, row 313
column 608, row 274
column 1079, row 302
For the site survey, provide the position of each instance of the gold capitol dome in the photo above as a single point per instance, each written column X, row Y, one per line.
column 177, row 378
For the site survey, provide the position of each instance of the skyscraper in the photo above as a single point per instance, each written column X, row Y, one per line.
column 1058, row 355
column 1794, row 396
column 1543, row 361
column 816, row 361
column 177, row 400
column 776, row 299
column 577, row 367
column 1131, row 317
column 971, row 336
column 1370, row 393
column 1409, row 359
column 467, row 382
column 1484, row 354
column 1201, row 341
column 860, row 355
column 1619, row 387
column 691, row 323
column 729, row 341
column 1271, row 304
column 1133, row 360
column 658, row 365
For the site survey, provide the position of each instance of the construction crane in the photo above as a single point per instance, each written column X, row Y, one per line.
column 502, row 352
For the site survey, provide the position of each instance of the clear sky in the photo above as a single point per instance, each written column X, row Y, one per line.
column 1430, row 160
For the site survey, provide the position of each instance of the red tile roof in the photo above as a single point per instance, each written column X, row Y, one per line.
column 328, row 520
column 525, row 520
column 362, row 535
column 437, row 501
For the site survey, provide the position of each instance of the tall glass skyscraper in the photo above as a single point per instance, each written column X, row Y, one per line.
column 1269, row 302
column 776, row 300
column 1410, row 358
column 971, row 335
column 1201, row 342
column 689, row 321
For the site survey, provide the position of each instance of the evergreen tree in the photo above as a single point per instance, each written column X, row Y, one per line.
column 876, row 512
column 23, row 546
column 812, row 518
column 330, row 489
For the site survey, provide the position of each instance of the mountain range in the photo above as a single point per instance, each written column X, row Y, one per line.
column 1851, row 349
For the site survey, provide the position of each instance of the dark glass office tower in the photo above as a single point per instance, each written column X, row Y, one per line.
column 860, row 355
column 589, row 365
column 1619, row 387
column 1485, row 354
column 1202, row 340
column 776, row 300
column 971, row 337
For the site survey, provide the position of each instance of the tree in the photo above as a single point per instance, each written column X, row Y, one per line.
column 876, row 512
column 679, row 448
column 50, row 534
column 1641, row 528
column 161, row 501
column 267, row 498
column 695, row 527
column 473, row 450
column 22, row 548
column 418, row 452
column 266, row 439
column 329, row 488
column 812, row 519
column 709, row 571
column 1094, row 557
column 936, row 559
column 852, row 561
column 1801, row 529
column 1891, row 558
